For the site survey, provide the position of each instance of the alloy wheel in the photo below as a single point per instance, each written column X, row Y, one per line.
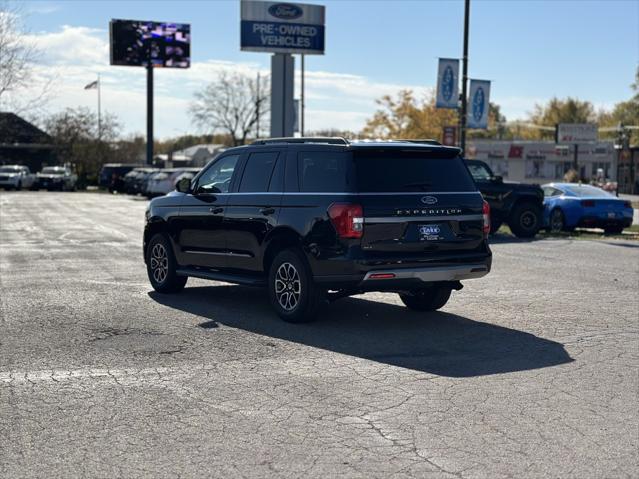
column 557, row 221
column 159, row 263
column 288, row 287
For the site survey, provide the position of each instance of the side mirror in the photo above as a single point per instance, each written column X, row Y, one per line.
column 498, row 179
column 184, row 185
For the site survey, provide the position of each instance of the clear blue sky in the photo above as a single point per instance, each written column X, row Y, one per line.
column 532, row 50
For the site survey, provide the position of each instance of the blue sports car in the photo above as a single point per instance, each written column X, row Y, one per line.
column 571, row 205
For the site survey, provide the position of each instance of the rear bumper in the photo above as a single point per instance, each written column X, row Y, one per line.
column 393, row 278
column 598, row 222
column 430, row 275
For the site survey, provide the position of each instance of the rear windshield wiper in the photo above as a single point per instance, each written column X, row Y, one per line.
column 421, row 184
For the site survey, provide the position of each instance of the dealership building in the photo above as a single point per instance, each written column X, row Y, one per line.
column 544, row 161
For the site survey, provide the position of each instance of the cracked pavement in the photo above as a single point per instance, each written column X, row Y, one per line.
column 531, row 371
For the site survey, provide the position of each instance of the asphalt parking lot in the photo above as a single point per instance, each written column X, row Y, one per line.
column 532, row 371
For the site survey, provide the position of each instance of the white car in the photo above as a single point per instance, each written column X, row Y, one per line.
column 57, row 178
column 163, row 182
column 16, row 177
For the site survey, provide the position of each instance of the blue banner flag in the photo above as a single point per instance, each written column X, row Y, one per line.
column 448, row 83
column 478, row 103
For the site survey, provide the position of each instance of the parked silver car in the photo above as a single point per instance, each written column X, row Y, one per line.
column 56, row 178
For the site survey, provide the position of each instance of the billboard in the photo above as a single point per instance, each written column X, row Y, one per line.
column 478, row 104
column 447, row 83
column 140, row 43
column 282, row 27
column 576, row 132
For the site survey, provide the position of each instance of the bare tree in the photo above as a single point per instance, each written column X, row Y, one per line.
column 22, row 90
column 231, row 105
column 16, row 54
column 75, row 133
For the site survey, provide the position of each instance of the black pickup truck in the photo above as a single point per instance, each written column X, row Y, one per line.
column 517, row 204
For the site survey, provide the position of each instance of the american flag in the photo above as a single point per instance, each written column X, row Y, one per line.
column 92, row 85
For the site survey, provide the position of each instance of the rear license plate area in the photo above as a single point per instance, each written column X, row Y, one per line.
column 431, row 232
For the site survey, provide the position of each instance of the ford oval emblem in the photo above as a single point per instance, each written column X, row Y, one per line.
column 429, row 200
column 478, row 104
column 448, row 80
column 285, row 11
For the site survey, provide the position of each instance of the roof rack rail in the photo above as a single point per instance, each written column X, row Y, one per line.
column 425, row 141
column 331, row 140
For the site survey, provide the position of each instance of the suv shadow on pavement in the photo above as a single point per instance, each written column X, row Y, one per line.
column 437, row 343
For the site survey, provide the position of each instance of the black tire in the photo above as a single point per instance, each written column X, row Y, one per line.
column 291, row 289
column 428, row 299
column 557, row 221
column 19, row 186
column 161, row 266
column 613, row 230
column 525, row 220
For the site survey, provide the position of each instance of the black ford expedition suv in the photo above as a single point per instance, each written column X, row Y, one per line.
column 315, row 219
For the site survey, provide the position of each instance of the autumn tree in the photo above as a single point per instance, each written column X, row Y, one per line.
column 497, row 127
column 408, row 117
column 231, row 104
column 556, row 110
column 405, row 116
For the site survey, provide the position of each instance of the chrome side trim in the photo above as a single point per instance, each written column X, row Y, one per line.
column 449, row 273
column 218, row 253
column 403, row 219
column 338, row 193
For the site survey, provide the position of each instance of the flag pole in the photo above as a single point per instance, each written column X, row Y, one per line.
column 99, row 110
column 302, row 99
column 464, row 100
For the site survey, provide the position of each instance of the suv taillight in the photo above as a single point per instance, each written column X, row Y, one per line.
column 348, row 219
column 485, row 211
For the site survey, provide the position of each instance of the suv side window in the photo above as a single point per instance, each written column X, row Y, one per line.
column 217, row 178
column 258, row 172
column 322, row 171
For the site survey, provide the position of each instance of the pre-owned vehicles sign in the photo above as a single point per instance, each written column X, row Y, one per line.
column 282, row 27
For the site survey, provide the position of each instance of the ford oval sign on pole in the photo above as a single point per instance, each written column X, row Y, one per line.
column 478, row 103
column 279, row 27
column 448, row 83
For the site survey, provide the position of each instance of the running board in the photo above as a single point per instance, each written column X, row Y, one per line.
column 226, row 277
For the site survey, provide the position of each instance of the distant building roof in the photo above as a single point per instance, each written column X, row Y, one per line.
column 16, row 130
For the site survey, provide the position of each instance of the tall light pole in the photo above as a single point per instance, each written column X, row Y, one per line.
column 462, row 122
column 302, row 100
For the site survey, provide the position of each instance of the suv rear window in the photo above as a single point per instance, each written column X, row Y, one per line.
column 323, row 171
column 391, row 171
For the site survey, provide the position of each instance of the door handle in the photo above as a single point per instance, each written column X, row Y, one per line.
column 267, row 211
column 216, row 210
